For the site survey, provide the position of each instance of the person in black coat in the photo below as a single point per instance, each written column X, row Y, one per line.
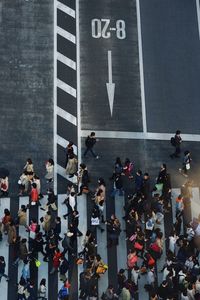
column 2, row 268
column 64, row 266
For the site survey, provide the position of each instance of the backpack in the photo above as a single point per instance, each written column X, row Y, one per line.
column 63, row 293
column 173, row 141
column 89, row 142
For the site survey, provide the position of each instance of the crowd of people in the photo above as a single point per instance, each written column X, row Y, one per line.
column 145, row 210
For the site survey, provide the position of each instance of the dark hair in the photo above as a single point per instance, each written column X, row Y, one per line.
column 83, row 166
column 29, row 161
column 92, row 133
column 139, row 172
column 34, row 185
column 178, row 132
column 6, row 212
column 43, row 281
column 51, row 161
column 101, row 181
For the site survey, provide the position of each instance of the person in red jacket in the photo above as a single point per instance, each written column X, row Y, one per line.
column 56, row 261
column 34, row 196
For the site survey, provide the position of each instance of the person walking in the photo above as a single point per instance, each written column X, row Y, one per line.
column 83, row 179
column 50, row 170
column 2, row 269
column 42, row 291
column 69, row 151
column 89, row 143
column 186, row 163
column 71, row 168
column 176, row 142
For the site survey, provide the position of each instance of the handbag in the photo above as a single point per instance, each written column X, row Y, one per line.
column 95, row 221
column 187, row 166
column 138, row 246
column 37, row 263
column 133, row 237
column 32, row 235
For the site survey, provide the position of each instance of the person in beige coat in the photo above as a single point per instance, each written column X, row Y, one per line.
column 12, row 234
column 22, row 216
column 46, row 224
column 71, row 168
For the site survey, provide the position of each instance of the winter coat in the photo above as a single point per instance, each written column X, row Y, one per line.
column 50, row 170
column 46, row 225
column 26, row 272
column 125, row 294
column 12, row 235
column 22, row 217
column 34, row 195
column 71, row 166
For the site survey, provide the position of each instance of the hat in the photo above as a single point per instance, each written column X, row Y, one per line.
column 69, row 234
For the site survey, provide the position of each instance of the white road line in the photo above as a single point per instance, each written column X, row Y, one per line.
column 198, row 15
column 4, row 249
column 55, row 99
column 78, row 81
column 67, row 116
column 63, row 143
column 102, row 251
column 61, row 171
column 140, row 135
column 43, row 269
column 121, row 248
column 62, row 209
column 22, row 230
column 67, row 61
column 67, row 35
column 65, row 87
column 81, row 200
column 66, row 9
column 144, row 121
column 195, row 203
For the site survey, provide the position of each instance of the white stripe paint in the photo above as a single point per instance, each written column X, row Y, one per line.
column 67, row 61
column 22, row 231
column 66, row 9
column 144, row 122
column 78, row 81
column 67, row 116
column 63, row 143
column 61, row 171
column 198, row 15
column 66, row 88
column 43, row 269
column 67, row 35
column 140, row 135
column 81, row 200
column 4, row 249
column 55, row 99
column 62, row 209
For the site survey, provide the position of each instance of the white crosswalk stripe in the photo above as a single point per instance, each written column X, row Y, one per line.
column 121, row 259
column 4, row 248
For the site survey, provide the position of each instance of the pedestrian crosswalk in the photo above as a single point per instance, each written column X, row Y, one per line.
column 119, row 253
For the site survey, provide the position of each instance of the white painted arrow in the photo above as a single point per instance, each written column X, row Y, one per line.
column 110, row 85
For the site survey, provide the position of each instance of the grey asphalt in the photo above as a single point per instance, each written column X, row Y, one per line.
column 95, row 111
column 171, row 54
column 26, row 94
column 26, row 86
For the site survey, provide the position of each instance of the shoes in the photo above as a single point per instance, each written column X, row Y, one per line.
column 97, row 157
column 70, row 176
column 79, row 194
column 42, row 208
column 65, row 217
column 79, row 234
